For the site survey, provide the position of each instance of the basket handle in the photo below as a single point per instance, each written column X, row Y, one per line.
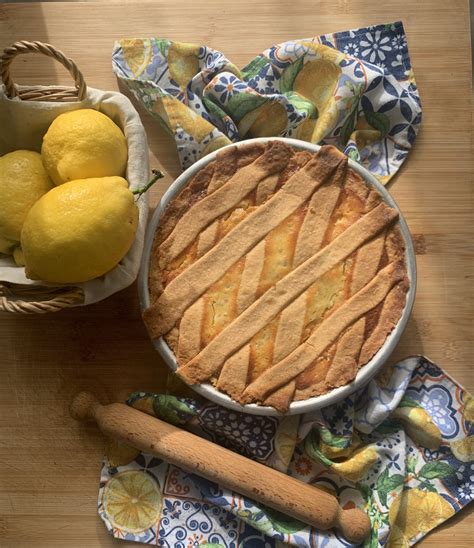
column 9, row 53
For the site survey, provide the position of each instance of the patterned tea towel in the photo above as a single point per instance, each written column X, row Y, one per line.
column 355, row 90
column 402, row 448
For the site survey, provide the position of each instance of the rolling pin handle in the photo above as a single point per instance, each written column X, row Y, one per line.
column 84, row 406
column 354, row 524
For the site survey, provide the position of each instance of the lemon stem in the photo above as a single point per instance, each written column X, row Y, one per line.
column 156, row 175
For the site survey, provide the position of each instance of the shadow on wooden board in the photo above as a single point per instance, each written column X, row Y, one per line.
column 32, row 68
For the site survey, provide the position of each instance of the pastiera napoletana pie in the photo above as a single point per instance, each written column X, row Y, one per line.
column 276, row 274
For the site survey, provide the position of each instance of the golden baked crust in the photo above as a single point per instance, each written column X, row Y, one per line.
column 276, row 274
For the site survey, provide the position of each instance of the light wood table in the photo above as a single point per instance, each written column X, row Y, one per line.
column 49, row 464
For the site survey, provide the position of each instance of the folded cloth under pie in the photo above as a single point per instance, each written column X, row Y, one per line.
column 402, row 449
column 355, row 90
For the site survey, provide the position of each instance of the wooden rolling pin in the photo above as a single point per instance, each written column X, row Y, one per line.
column 215, row 463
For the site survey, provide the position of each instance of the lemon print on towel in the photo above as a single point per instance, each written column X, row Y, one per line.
column 176, row 115
column 463, row 449
column 132, row 501
column 257, row 115
column 183, row 62
column 119, row 453
column 316, row 81
column 355, row 467
column 137, row 53
column 419, row 426
column 414, row 512
column 285, row 439
column 468, row 402
column 267, row 120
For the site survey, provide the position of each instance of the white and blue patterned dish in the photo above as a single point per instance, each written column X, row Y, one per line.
column 365, row 374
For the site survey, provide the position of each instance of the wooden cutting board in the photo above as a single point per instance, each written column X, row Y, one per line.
column 49, row 464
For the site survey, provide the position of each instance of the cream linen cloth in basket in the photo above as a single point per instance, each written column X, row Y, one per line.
column 22, row 126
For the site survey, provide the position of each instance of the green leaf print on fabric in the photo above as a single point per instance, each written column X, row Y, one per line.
column 213, row 108
column 254, row 67
column 386, row 484
column 354, row 155
column 373, row 541
column 378, row 120
column 289, row 74
column 432, row 470
column 334, row 441
column 411, row 464
column 170, row 409
column 243, row 103
column 388, row 426
column 312, row 448
column 302, row 104
column 258, row 520
column 406, row 401
column 364, row 490
column 427, row 486
column 283, row 523
column 163, row 46
column 349, row 125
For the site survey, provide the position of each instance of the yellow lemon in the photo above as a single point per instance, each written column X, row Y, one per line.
column 132, row 501
column 325, row 52
column 81, row 144
column 468, row 407
column 315, row 130
column 397, row 539
column 137, row 52
column 175, row 113
column 317, row 81
column 183, row 62
column 419, row 426
column 326, row 121
column 145, row 404
column 269, row 119
column 463, row 449
column 357, row 465
column 23, row 180
column 415, row 511
column 305, row 129
column 285, row 439
column 79, row 230
column 7, row 246
column 383, row 179
column 18, row 256
column 411, row 77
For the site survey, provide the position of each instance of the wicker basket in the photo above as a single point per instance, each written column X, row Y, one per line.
column 35, row 299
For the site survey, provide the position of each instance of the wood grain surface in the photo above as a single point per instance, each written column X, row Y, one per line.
column 49, row 464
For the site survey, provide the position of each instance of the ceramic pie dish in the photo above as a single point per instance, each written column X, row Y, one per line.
column 277, row 276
